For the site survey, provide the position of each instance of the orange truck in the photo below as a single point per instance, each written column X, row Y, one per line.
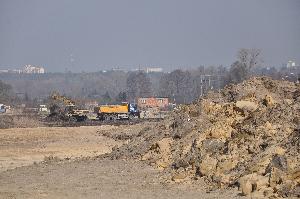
column 117, row 112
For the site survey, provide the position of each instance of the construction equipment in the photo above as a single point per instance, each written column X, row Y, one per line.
column 43, row 108
column 65, row 100
column 117, row 112
column 2, row 108
column 66, row 108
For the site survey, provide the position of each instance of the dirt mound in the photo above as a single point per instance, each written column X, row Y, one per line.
column 59, row 117
column 247, row 135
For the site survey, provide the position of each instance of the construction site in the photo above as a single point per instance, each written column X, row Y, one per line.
column 142, row 99
column 241, row 141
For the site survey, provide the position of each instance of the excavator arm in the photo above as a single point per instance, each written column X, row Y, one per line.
column 68, row 102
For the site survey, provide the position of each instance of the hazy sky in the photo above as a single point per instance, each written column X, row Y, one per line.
column 101, row 34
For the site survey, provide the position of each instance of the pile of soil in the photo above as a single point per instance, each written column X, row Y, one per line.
column 247, row 135
column 58, row 117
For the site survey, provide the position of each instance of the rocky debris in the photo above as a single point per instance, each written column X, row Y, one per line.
column 116, row 135
column 247, row 136
column 252, row 182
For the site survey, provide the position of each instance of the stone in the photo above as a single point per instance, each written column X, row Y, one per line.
column 252, row 182
column 268, row 101
column 212, row 145
column 227, row 165
column 288, row 101
column 245, row 187
column 164, row 144
column 295, row 176
column 162, row 164
column 285, row 190
column 270, row 129
column 277, row 176
column 268, row 192
column 246, row 105
column 219, row 131
column 207, row 166
column 261, row 182
column 279, row 162
column 178, row 177
column 261, row 166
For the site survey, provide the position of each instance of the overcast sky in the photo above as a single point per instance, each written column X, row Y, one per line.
column 90, row 35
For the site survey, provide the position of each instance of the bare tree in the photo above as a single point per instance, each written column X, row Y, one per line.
column 248, row 59
column 237, row 73
column 5, row 92
column 106, row 99
column 138, row 85
column 121, row 97
column 177, row 85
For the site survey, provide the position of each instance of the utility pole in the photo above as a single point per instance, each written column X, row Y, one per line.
column 201, row 87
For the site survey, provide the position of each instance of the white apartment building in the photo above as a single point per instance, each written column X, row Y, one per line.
column 33, row 69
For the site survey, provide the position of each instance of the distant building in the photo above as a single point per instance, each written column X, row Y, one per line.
column 3, row 71
column 18, row 71
column 33, row 69
column 154, row 70
column 153, row 102
column 119, row 69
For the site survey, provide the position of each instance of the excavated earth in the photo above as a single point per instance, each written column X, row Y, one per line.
column 66, row 162
column 245, row 136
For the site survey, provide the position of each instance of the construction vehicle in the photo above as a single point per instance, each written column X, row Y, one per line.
column 66, row 108
column 2, row 108
column 43, row 108
column 117, row 112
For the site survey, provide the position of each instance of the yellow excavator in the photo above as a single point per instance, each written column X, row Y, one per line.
column 66, row 109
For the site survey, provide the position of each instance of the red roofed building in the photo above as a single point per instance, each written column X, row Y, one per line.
column 153, row 102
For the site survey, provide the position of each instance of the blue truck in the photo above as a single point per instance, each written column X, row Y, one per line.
column 2, row 108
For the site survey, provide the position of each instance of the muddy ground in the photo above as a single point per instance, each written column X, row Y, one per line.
column 66, row 162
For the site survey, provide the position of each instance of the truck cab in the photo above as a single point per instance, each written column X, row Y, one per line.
column 43, row 108
column 133, row 110
column 2, row 108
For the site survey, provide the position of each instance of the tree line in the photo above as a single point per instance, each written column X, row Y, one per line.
column 5, row 92
column 180, row 86
column 185, row 86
